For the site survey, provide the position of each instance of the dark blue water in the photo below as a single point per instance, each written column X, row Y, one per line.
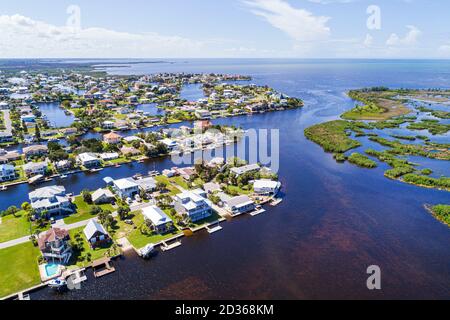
column 151, row 109
column 335, row 220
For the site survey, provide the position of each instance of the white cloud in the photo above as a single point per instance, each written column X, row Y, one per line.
column 410, row 38
column 299, row 24
column 24, row 37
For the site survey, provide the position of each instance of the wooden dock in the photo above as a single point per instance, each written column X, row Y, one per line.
column 102, row 267
column 166, row 247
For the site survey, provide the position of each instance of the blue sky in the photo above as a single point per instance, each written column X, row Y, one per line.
column 232, row 28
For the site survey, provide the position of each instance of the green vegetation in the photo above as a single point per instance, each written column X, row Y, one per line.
column 400, row 167
column 85, row 211
column 83, row 253
column 332, row 136
column 379, row 103
column 424, row 181
column 14, row 226
column 442, row 213
column 18, row 268
column 361, row 161
column 433, row 126
column 163, row 180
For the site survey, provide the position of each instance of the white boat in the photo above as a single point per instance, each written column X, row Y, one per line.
column 57, row 283
column 147, row 251
column 3, row 188
column 63, row 176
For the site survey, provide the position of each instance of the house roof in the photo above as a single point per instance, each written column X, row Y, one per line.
column 87, row 157
column 51, row 235
column 100, row 193
column 239, row 201
column 156, row 215
column 34, row 165
column 47, row 192
column 92, row 228
column 244, row 169
column 263, row 184
column 125, row 183
column 112, row 136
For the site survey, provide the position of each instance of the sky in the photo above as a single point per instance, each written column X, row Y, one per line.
column 225, row 29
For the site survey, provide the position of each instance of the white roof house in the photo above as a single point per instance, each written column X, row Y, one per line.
column 52, row 199
column 156, row 216
column 102, row 195
column 193, row 205
column 244, row 169
column 239, row 204
column 147, row 184
column 266, row 186
column 126, row 188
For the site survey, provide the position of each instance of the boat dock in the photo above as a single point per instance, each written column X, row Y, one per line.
column 275, row 201
column 102, row 267
column 257, row 212
column 214, row 227
column 166, row 247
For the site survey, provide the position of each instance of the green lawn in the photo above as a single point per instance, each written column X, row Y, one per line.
column 213, row 218
column 240, row 191
column 80, row 259
column 173, row 190
column 180, row 181
column 134, row 235
column 13, row 227
column 18, row 268
column 84, row 211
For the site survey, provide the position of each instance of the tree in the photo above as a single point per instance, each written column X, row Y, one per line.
column 87, row 197
column 123, row 212
column 24, row 127
column 37, row 133
column 26, row 206
column 160, row 186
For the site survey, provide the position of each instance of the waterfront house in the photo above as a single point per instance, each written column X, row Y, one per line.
column 158, row 219
column 69, row 131
column 54, row 245
column 35, row 168
column 28, row 118
column 35, row 151
column 266, row 187
column 112, row 138
column 88, row 160
column 108, row 125
column 6, row 137
column 51, row 199
column 147, row 184
column 191, row 205
column 109, row 156
column 170, row 144
column 102, row 196
column 202, row 125
column 186, row 173
column 239, row 205
column 126, row 188
column 96, row 234
column 238, row 171
column 7, row 172
column 169, row 173
column 63, row 165
column 203, row 114
column 129, row 151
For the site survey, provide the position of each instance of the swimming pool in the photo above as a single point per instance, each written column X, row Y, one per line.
column 51, row 269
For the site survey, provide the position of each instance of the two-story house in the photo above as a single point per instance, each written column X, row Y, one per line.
column 193, row 206
column 54, row 245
